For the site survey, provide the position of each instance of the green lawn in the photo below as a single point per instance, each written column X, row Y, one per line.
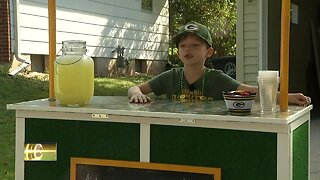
column 15, row 89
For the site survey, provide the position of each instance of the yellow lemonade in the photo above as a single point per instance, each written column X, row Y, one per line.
column 74, row 79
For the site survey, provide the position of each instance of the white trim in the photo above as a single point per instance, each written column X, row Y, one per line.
column 309, row 149
column 290, row 154
column 301, row 120
column 12, row 23
column 145, row 142
column 19, row 154
column 240, row 43
column 204, row 123
column 263, row 34
column 283, row 157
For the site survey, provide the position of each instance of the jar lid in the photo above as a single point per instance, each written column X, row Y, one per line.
column 73, row 45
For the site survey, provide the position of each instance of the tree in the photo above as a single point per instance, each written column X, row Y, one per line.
column 218, row 15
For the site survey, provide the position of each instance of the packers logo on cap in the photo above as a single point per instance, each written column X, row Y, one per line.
column 191, row 27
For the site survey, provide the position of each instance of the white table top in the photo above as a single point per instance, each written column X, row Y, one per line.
column 119, row 105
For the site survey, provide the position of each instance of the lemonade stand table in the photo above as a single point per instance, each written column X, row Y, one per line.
column 252, row 147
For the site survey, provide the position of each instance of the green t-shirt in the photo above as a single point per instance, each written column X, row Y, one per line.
column 208, row 87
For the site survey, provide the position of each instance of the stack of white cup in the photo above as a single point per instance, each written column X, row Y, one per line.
column 268, row 89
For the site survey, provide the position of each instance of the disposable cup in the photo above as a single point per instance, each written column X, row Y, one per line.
column 268, row 82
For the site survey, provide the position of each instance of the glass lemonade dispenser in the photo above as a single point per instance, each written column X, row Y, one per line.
column 73, row 74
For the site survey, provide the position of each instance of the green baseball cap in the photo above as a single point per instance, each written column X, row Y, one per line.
column 196, row 28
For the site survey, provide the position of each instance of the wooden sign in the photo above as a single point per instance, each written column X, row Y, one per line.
column 96, row 169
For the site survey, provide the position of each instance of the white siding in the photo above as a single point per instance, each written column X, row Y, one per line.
column 103, row 24
column 248, row 41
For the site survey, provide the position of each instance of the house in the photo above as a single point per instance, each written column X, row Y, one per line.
column 258, row 42
column 141, row 28
column 143, row 32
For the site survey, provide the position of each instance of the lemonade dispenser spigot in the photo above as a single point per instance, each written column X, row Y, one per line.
column 73, row 74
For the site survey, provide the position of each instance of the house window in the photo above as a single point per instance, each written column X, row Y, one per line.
column 146, row 5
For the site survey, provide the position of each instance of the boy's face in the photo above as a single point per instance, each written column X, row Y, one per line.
column 193, row 50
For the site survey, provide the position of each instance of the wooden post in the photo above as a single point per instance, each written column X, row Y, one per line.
column 52, row 45
column 284, row 54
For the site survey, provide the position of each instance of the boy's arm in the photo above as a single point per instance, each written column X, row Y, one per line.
column 298, row 99
column 293, row 98
column 243, row 87
column 137, row 94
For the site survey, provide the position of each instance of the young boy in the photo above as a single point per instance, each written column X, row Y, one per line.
column 194, row 81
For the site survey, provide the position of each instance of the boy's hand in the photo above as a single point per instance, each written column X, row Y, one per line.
column 299, row 99
column 139, row 98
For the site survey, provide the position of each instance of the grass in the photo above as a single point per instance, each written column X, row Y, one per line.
column 15, row 89
column 116, row 86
